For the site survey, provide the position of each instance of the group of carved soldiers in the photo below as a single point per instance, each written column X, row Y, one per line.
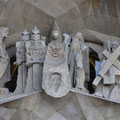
column 30, row 56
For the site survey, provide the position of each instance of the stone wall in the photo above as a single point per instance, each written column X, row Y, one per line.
column 72, row 16
column 76, row 15
column 71, row 107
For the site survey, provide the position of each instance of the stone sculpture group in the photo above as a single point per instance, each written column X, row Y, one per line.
column 60, row 66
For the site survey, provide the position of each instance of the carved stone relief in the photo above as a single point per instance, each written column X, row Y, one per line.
column 60, row 67
column 4, row 61
column 79, row 71
column 76, row 46
column 56, row 80
column 35, row 54
column 108, row 77
column 4, row 58
column 20, row 62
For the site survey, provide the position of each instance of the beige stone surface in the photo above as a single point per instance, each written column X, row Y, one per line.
column 74, row 16
column 71, row 16
column 71, row 107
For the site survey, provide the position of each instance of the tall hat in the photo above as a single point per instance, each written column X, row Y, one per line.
column 56, row 29
column 35, row 30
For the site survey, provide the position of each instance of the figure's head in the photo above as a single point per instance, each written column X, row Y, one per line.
column 25, row 35
column 80, row 37
column 67, row 38
column 35, row 34
column 114, row 45
column 55, row 35
column 4, row 31
column 107, row 45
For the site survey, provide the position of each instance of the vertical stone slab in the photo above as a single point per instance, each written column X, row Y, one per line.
column 37, row 76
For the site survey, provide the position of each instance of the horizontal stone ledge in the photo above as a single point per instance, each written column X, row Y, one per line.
column 91, row 95
column 16, row 97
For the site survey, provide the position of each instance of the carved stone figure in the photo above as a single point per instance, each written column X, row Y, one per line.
column 4, row 58
column 66, row 43
column 56, row 80
column 100, row 87
column 20, row 61
column 79, row 71
column 76, row 45
column 106, row 46
column 114, row 45
column 115, row 92
column 109, row 72
column 35, row 54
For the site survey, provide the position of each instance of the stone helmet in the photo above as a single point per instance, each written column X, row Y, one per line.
column 25, row 35
column 35, row 34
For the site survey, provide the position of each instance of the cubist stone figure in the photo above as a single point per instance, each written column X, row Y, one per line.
column 110, row 79
column 66, row 43
column 115, row 92
column 4, row 58
column 106, row 46
column 20, row 62
column 56, row 80
column 112, row 74
column 99, row 89
column 35, row 55
column 76, row 45
column 79, row 70
column 114, row 45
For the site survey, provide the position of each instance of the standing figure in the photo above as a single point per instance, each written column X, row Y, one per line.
column 56, row 80
column 4, row 58
column 35, row 55
column 20, row 62
column 79, row 71
column 76, row 45
column 66, row 43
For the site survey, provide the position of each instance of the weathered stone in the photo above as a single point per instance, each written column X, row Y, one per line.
column 20, row 61
column 35, row 57
column 56, row 81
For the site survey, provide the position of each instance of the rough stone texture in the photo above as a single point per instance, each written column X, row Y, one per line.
column 71, row 17
column 71, row 107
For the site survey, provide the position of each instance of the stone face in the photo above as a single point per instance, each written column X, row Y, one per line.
column 56, row 81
